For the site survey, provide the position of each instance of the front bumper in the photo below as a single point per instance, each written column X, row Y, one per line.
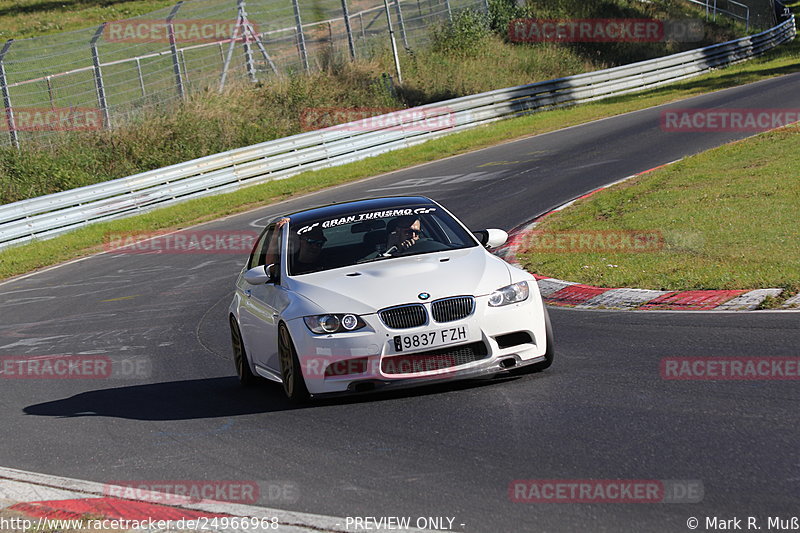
column 498, row 338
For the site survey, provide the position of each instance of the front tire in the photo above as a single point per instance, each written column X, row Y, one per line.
column 240, row 360
column 294, row 385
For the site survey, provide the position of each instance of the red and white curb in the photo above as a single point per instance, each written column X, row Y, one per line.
column 40, row 496
column 571, row 294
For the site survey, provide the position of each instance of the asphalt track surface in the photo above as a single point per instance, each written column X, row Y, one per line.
column 601, row 412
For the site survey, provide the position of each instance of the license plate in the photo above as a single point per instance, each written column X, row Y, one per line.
column 429, row 339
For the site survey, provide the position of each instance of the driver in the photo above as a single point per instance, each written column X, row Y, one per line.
column 403, row 233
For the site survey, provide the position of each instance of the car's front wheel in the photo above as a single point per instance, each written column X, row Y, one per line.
column 291, row 373
column 246, row 376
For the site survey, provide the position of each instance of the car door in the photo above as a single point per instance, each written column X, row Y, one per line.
column 262, row 304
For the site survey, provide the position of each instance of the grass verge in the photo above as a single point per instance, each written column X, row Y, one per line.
column 22, row 259
column 723, row 219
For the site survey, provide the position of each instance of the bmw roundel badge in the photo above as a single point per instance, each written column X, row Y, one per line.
column 424, row 296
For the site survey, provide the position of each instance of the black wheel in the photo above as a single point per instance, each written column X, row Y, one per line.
column 293, row 383
column 246, row 376
column 548, row 354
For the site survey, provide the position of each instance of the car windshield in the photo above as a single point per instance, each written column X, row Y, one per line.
column 317, row 244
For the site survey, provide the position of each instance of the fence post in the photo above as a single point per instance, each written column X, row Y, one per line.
column 486, row 5
column 98, row 76
column 141, row 78
column 12, row 128
column 391, row 39
column 176, row 67
column 401, row 22
column 248, row 51
column 449, row 10
column 350, row 43
column 186, row 80
column 227, row 60
column 50, row 93
column 301, row 38
column 257, row 38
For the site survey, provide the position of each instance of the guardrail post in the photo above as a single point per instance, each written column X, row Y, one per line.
column 350, row 43
column 391, row 39
column 98, row 76
column 401, row 23
column 12, row 127
column 176, row 66
column 301, row 38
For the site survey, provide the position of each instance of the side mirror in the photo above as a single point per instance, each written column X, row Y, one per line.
column 260, row 275
column 491, row 238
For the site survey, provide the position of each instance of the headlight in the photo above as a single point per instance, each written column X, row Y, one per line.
column 509, row 294
column 333, row 323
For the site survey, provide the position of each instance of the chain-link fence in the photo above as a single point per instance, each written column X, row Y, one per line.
column 755, row 13
column 102, row 77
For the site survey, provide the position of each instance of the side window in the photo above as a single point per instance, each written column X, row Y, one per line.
column 272, row 249
column 258, row 250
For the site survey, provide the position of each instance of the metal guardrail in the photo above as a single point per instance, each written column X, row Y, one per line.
column 50, row 215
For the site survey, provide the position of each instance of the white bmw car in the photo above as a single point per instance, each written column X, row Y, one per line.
column 386, row 292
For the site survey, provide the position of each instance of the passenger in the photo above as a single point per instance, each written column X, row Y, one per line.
column 308, row 257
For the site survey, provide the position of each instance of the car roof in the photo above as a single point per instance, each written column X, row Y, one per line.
column 335, row 210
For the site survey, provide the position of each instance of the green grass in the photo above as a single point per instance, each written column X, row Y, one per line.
column 25, row 258
column 20, row 19
column 727, row 217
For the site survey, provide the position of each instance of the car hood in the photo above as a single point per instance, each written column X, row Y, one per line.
column 368, row 287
